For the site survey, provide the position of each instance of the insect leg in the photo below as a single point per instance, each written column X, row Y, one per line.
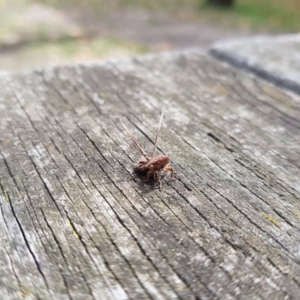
column 170, row 169
column 158, row 178
column 150, row 173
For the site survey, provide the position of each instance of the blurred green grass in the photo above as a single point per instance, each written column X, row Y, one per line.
column 274, row 15
column 280, row 15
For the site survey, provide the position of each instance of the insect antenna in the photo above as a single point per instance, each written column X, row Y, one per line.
column 136, row 143
column 158, row 130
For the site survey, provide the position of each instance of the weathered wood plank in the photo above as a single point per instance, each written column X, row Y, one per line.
column 276, row 58
column 76, row 222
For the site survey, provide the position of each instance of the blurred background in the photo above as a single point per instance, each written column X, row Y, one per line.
column 40, row 33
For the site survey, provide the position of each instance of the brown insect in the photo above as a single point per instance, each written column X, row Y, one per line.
column 152, row 166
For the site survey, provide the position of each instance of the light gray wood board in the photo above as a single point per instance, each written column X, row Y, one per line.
column 276, row 58
column 76, row 222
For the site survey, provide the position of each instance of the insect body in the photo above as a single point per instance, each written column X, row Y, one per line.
column 152, row 166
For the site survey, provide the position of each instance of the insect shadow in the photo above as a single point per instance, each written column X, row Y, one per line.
column 152, row 168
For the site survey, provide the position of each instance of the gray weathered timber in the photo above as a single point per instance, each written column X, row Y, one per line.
column 274, row 58
column 77, row 223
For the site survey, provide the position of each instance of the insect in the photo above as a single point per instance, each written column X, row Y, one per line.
column 153, row 166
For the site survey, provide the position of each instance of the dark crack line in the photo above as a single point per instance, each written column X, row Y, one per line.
column 238, row 226
column 61, row 252
column 202, row 249
column 257, row 196
column 232, row 137
column 257, row 99
column 261, row 73
column 238, row 181
column 123, row 257
column 38, row 232
column 117, row 216
column 254, row 107
column 71, row 197
column 8, row 254
column 85, row 247
column 144, row 251
column 24, row 235
column 83, row 244
column 278, row 193
column 163, row 256
column 19, row 223
column 44, row 183
column 235, row 179
column 277, row 267
column 148, row 204
column 247, row 190
column 106, row 263
column 116, row 186
column 145, row 134
column 233, row 88
column 233, row 244
column 34, row 210
column 266, row 103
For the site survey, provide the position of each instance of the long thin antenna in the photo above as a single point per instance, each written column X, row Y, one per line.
column 158, row 129
column 136, row 143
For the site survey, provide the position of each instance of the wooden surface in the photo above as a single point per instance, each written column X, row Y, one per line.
column 275, row 58
column 76, row 222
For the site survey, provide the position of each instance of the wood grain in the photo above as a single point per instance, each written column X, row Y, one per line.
column 77, row 223
column 275, row 58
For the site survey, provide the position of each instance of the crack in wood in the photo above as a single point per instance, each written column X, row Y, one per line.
column 67, row 182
